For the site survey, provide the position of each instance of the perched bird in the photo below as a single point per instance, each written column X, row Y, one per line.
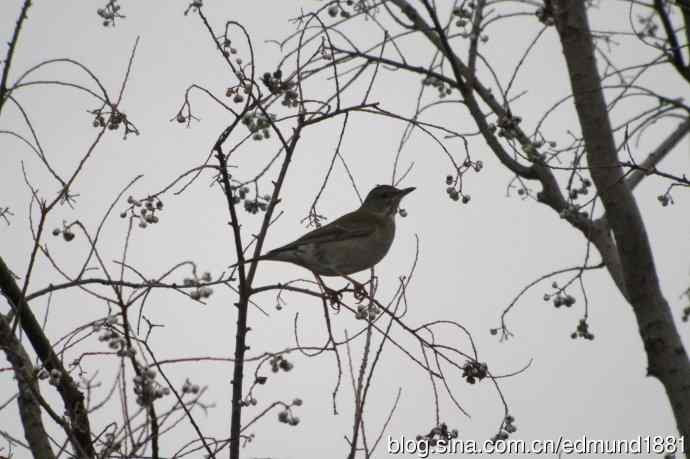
column 349, row 244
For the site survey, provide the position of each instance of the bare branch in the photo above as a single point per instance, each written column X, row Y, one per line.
column 655, row 157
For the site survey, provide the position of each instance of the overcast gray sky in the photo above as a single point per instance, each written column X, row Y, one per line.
column 473, row 258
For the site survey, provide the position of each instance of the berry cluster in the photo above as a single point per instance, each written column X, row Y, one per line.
column 257, row 204
column 337, row 9
column 540, row 143
column 201, row 291
column 439, row 434
column 507, row 429
column 477, row 165
column 583, row 190
column 115, row 340
column 582, row 331
column 559, row 299
column 665, row 199
column 238, row 93
column 287, row 417
column 53, row 376
column 367, row 312
column 473, row 371
column 462, row 14
column 278, row 362
column 228, row 49
column 145, row 210
column 455, row 195
column 276, row 85
column 509, row 126
column 464, row 17
column 66, row 232
column 572, row 211
column 109, row 13
column 147, row 388
column 531, row 148
column 649, row 26
column 454, row 182
column 443, row 89
column 115, row 119
column 189, row 388
column 249, row 401
column 253, row 206
column 258, row 124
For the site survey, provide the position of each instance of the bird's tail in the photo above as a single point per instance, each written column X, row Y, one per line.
column 285, row 253
column 248, row 260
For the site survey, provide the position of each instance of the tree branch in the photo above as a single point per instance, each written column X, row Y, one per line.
column 10, row 53
column 29, row 407
column 658, row 154
column 676, row 53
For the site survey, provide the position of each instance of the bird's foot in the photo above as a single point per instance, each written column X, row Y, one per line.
column 333, row 296
column 359, row 291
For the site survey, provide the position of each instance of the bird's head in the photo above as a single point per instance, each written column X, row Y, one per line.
column 384, row 199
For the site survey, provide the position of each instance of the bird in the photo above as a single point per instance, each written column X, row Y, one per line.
column 352, row 243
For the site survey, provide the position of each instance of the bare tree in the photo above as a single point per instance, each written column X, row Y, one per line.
column 329, row 73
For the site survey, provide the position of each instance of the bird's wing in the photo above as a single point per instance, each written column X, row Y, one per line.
column 349, row 226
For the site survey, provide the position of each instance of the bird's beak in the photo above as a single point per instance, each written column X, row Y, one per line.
column 406, row 191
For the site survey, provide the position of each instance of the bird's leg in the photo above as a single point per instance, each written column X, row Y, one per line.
column 360, row 292
column 333, row 296
column 359, row 289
